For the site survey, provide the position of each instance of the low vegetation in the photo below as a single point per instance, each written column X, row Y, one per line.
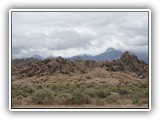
column 76, row 94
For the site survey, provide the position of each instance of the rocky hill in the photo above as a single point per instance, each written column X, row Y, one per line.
column 31, row 67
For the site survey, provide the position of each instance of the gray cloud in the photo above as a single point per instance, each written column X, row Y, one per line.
column 71, row 33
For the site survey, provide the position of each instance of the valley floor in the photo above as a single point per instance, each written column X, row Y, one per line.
column 85, row 106
column 118, row 90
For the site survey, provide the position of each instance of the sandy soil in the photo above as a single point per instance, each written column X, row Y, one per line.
column 86, row 106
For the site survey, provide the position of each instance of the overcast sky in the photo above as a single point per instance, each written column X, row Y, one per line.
column 73, row 33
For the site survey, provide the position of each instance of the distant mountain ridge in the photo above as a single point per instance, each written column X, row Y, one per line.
column 109, row 55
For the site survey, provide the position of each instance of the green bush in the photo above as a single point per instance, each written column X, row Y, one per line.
column 101, row 93
column 54, row 87
column 112, row 99
column 135, row 100
column 22, row 90
column 91, row 93
column 61, row 98
column 146, row 92
column 88, row 76
column 43, row 97
column 143, row 85
column 78, row 99
column 20, row 97
column 87, row 99
column 89, row 85
column 123, row 92
column 100, row 102
column 77, row 85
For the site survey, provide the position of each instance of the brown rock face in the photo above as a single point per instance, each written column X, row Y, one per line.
column 127, row 64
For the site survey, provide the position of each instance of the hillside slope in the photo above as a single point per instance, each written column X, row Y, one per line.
column 59, row 81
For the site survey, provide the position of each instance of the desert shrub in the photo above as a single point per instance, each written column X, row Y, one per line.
column 61, row 98
column 16, row 102
column 20, row 97
column 77, row 85
column 91, row 93
column 88, row 76
column 22, row 90
column 87, row 99
column 140, row 98
column 99, row 102
column 103, row 82
column 25, row 95
column 90, row 86
column 39, row 87
column 78, row 99
column 28, row 89
column 146, row 92
column 16, row 93
column 54, row 87
column 43, row 97
column 101, row 93
column 143, row 85
column 66, row 85
column 122, row 91
column 135, row 100
column 145, row 101
column 112, row 99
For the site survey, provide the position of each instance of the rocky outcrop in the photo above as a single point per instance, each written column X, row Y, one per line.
column 126, row 63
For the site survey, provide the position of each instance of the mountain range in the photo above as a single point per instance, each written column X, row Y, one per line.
column 109, row 55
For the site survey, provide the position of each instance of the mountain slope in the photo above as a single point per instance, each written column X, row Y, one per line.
column 110, row 54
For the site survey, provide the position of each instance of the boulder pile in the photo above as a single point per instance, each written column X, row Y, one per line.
column 126, row 63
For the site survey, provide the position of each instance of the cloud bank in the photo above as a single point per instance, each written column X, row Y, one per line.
column 52, row 34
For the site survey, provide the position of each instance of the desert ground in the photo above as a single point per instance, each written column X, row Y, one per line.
column 62, row 83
